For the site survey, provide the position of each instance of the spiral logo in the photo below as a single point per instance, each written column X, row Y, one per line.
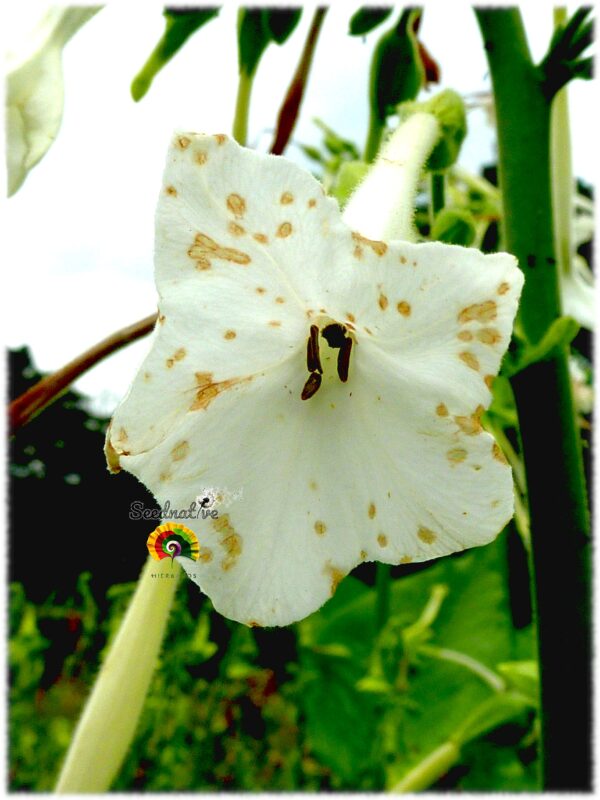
column 172, row 540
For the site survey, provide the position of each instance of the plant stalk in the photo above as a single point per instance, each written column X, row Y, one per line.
column 551, row 443
column 111, row 714
column 288, row 114
column 242, row 107
column 31, row 402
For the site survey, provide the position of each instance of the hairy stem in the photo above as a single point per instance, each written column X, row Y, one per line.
column 288, row 114
column 31, row 402
column 551, row 444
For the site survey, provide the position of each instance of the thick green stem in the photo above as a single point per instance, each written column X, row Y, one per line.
column 242, row 107
column 551, row 444
column 111, row 714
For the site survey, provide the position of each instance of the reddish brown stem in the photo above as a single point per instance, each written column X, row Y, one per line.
column 288, row 113
column 31, row 402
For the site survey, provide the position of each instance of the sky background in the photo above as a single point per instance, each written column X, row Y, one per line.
column 79, row 232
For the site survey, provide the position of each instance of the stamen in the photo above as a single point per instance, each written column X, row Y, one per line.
column 311, row 385
column 334, row 335
column 313, row 360
column 343, row 360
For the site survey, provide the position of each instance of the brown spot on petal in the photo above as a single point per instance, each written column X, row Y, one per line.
column 284, row 230
column 207, row 390
column 221, row 138
column 457, row 454
column 236, row 204
column 350, row 317
column 171, row 191
column 363, row 555
column 229, row 335
column 320, row 527
column 161, row 318
column 372, row 511
column 253, row 624
column 147, row 376
column 205, row 248
column 165, row 476
column 122, row 436
column 441, row 410
column 236, row 229
column 260, row 290
column 205, row 555
column 489, row 335
column 481, row 312
column 280, row 300
column 286, row 198
column 404, row 308
column 200, row 157
column 275, row 323
column 498, row 454
column 383, row 302
column 230, row 541
column 382, row 540
column 335, row 574
column 469, row 425
column 470, row 360
column 489, row 380
column 112, row 456
column 426, row 535
column 503, row 288
column 312, row 202
column 379, row 248
column 180, row 451
column 183, row 142
column 402, row 260
column 465, row 336
column 405, row 560
column 178, row 355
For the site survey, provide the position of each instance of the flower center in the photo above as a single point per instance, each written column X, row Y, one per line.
column 337, row 337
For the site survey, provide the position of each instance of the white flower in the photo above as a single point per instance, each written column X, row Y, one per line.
column 381, row 456
column 34, row 85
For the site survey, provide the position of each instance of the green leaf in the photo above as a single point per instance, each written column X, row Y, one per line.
column 367, row 18
column 493, row 712
column 397, row 71
column 562, row 63
column 454, row 226
column 180, row 25
column 560, row 334
column 524, row 676
column 281, row 22
column 257, row 28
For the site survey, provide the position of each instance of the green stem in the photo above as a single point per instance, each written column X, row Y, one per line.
column 374, row 136
column 551, row 444
column 494, row 681
column 111, row 714
column 242, row 107
column 383, row 581
column 429, row 770
column 438, row 193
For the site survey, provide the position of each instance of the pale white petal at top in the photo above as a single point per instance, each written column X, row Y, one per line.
column 224, row 207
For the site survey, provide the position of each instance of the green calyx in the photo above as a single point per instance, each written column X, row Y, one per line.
column 449, row 110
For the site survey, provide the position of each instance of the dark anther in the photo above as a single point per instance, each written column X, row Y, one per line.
column 334, row 335
column 311, row 385
column 343, row 361
column 313, row 361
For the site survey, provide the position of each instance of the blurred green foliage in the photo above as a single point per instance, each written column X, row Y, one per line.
column 325, row 704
